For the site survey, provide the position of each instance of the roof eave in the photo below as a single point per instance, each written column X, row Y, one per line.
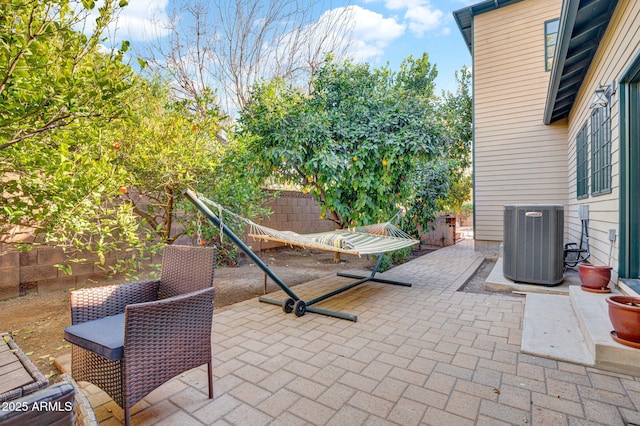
column 467, row 14
column 567, row 20
column 583, row 24
column 456, row 16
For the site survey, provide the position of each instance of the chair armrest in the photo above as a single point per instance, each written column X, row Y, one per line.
column 575, row 250
column 93, row 303
column 174, row 319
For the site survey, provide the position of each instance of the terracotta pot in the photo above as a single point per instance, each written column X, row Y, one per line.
column 624, row 313
column 594, row 276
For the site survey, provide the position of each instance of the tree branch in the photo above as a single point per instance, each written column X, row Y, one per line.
column 46, row 128
column 30, row 40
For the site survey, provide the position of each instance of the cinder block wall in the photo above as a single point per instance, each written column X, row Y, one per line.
column 465, row 221
column 292, row 211
column 9, row 275
column 35, row 270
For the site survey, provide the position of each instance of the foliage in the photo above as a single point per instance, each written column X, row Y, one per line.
column 358, row 142
column 396, row 257
column 93, row 158
column 431, row 182
column 59, row 91
column 173, row 145
column 456, row 113
column 466, row 212
column 459, row 192
column 57, row 191
column 51, row 74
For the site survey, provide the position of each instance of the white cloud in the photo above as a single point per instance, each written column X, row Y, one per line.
column 359, row 33
column 371, row 32
column 401, row 4
column 423, row 18
column 142, row 19
column 372, row 26
column 420, row 15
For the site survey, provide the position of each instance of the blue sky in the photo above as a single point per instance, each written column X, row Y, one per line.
column 385, row 30
column 420, row 26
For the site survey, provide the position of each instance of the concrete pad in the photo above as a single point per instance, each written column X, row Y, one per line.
column 550, row 329
column 592, row 312
column 496, row 281
column 575, row 329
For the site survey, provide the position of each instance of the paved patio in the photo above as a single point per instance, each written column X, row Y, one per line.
column 421, row 355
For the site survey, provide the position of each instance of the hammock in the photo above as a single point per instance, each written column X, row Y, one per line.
column 378, row 239
column 361, row 240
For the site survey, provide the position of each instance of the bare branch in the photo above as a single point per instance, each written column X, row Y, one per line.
column 229, row 45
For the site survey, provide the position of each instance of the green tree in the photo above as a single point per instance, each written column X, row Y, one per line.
column 51, row 74
column 456, row 113
column 172, row 145
column 92, row 157
column 59, row 91
column 357, row 142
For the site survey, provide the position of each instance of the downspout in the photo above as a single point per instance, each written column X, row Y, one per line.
column 473, row 130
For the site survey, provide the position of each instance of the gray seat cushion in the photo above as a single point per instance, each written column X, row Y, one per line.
column 104, row 336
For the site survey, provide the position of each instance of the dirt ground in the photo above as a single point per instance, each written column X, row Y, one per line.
column 37, row 321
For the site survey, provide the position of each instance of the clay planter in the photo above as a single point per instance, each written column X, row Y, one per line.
column 594, row 277
column 624, row 313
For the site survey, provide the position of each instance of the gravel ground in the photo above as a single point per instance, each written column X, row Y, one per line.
column 476, row 283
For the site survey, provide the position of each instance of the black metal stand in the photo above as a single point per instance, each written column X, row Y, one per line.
column 293, row 303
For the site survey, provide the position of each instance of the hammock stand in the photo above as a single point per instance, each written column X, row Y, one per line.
column 293, row 303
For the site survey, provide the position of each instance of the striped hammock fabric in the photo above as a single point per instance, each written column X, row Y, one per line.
column 362, row 240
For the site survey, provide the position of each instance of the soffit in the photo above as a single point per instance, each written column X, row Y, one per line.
column 582, row 26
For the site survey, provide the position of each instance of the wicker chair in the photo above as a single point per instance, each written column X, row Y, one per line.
column 147, row 332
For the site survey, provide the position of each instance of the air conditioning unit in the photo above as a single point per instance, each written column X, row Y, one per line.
column 533, row 236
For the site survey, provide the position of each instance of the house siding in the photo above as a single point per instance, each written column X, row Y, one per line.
column 518, row 159
column 621, row 42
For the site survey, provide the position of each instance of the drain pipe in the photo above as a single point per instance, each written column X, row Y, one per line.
column 612, row 240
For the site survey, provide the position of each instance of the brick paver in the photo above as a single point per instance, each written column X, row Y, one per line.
column 425, row 355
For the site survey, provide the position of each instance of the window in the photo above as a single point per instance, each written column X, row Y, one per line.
column 550, row 38
column 582, row 166
column 600, row 151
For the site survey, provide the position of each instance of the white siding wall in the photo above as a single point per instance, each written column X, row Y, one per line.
column 517, row 158
column 619, row 45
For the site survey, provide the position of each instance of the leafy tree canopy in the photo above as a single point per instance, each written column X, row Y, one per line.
column 51, row 73
column 59, row 90
column 93, row 157
column 357, row 142
column 456, row 114
column 171, row 145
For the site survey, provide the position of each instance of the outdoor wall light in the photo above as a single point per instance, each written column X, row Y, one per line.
column 602, row 96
